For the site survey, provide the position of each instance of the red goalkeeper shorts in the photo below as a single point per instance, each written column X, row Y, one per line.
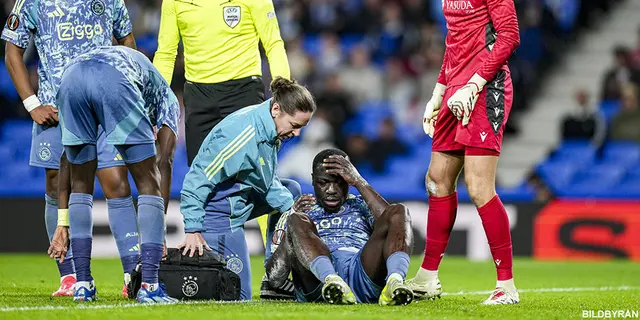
column 485, row 128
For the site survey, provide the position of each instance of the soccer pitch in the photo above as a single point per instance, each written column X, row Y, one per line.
column 549, row 290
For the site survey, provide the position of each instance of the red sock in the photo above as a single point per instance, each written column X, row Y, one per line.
column 442, row 215
column 496, row 226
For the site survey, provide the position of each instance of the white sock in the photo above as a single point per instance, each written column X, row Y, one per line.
column 85, row 284
column 425, row 275
column 395, row 276
column 508, row 285
column 127, row 278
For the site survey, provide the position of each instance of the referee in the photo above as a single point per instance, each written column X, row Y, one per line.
column 223, row 68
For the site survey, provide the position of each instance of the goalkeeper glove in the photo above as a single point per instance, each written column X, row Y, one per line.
column 462, row 102
column 432, row 109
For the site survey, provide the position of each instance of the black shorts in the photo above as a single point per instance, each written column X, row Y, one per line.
column 207, row 104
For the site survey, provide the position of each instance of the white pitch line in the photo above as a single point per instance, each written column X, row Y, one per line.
column 137, row 305
column 620, row 288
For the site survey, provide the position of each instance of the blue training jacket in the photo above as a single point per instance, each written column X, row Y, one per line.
column 238, row 159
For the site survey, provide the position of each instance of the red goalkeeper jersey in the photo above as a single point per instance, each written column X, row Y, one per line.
column 482, row 35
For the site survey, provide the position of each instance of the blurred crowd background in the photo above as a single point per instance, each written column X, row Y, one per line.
column 372, row 65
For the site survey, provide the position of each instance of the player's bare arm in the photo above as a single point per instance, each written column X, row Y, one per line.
column 342, row 167
column 128, row 41
column 60, row 241
column 41, row 114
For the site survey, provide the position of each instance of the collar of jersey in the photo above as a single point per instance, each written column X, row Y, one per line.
column 266, row 127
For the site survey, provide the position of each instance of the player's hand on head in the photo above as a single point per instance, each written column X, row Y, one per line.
column 341, row 166
column 193, row 242
column 59, row 244
column 304, row 203
column 45, row 115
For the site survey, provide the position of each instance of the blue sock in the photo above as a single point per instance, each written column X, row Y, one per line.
column 151, row 223
column 321, row 267
column 51, row 222
column 398, row 262
column 124, row 226
column 81, row 229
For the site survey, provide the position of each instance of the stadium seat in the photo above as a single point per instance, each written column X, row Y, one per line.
column 16, row 130
column 623, row 153
column 7, row 88
column 557, row 175
column 594, row 181
column 578, row 152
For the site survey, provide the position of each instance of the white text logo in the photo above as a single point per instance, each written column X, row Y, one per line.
column 68, row 31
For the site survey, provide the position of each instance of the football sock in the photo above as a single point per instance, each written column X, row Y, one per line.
column 398, row 263
column 507, row 285
column 440, row 219
column 51, row 223
column 151, row 224
column 322, row 267
column 81, row 228
column 124, row 226
column 496, row 226
column 424, row 275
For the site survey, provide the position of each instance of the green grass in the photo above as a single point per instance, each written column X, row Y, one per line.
column 27, row 281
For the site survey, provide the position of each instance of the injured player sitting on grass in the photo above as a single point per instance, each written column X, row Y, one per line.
column 342, row 248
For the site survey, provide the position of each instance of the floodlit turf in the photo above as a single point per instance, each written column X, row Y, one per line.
column 26, row 282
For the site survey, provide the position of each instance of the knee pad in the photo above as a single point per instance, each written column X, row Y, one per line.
column 82, row 153
column 293, row 186
column 134, row 153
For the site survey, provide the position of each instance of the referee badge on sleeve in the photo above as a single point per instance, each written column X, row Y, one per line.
column 231, row 15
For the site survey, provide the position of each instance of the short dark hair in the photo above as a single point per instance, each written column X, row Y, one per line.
column 291, row 96
column 319, row 159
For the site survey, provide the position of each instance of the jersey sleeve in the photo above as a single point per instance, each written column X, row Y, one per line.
column 121, row 20
column 278, row 196
column 20, row 23
column 505, row 21
column 168, row 39
column 222, row 156
column 266, row 24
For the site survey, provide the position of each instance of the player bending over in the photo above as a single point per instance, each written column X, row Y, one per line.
column 62, row 30
column 475, row 86
column 233, row 177
column 345, row 248
column 119, row 89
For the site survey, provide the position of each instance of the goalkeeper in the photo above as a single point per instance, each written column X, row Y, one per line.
column 474, row 87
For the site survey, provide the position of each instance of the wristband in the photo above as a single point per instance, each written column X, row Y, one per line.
column 63, row 217
column 31, row 103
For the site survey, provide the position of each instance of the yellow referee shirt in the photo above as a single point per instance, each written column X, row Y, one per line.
column 220, row 39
